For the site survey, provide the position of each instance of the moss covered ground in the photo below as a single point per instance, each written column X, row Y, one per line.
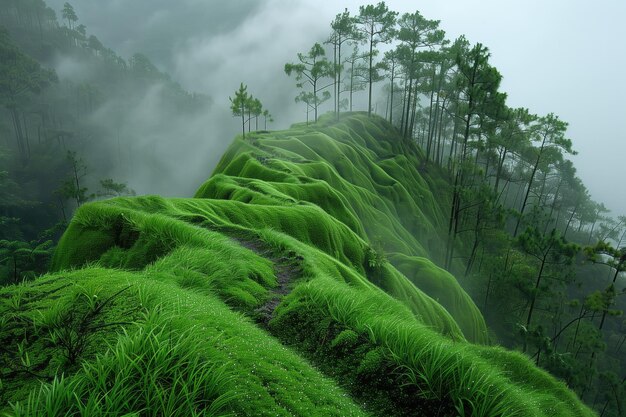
column 301, row 280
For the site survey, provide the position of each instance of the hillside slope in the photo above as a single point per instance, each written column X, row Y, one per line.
column 296, row 282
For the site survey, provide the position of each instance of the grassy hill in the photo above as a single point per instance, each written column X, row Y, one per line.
column 301, row 280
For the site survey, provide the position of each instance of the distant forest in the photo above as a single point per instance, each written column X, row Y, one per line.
column 542, row 260
column 62, row 136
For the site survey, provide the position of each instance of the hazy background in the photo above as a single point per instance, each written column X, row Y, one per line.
column 561, row 56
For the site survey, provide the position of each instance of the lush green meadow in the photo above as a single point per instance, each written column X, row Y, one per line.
column 301, row 280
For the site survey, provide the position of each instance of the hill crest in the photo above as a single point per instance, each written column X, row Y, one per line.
column 317, row 238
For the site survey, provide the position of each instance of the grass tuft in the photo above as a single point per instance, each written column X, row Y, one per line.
column 149, row 371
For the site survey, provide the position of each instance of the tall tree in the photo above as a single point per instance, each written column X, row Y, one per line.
column 256, row 109
column 353, row 71
column 478, row 84
column 391, row 63
column 267, row 118
column 549, row 132
column 95, row 44
column 553, row 255
column 598, row 210
column 478, row 100
column 376, row 24
column 311, row 70
column 20, row 76
column 615, row 259
column 415, row 32
column 512, row 138
column 11, row 200
column 238, row 105
column 73, row 188
column 344, row 30
column 69, row 14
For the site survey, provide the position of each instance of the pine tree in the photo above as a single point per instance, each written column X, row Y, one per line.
column 310, row 71
column 238, row 106
column 376, row 24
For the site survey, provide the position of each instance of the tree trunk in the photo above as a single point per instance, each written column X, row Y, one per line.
column 454, row 210
column 404, row 105
column 408, row 108
column 430, row 124
column 530, row 184
column 371, row 75
column 470, row 261
column 593, row 225
column 18, row 134
column 534, row 297
column 487, row 292
column 76, row 180
column 26, row 135
column 573, row 342
column 243, row 121
column 315, row 99
column 553, row 205
column 606, row 310
column 338, row 70
column 335, row 76
column 393, row 67
column 39, row 22
column 351, row 82
column 569, row 221
column 453, row 141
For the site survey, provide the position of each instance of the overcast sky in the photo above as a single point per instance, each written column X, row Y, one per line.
column 561, row 56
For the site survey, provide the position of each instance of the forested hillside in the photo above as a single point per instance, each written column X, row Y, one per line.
column 77, row 122
column 298, row 251
column 542, row 260
column 415, row 247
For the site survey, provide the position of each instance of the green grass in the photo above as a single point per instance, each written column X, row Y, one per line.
column 477, row 381
column 148, row 371
column 227, row 363
column 154, row 305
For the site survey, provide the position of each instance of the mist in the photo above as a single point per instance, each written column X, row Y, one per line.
column 210, row 47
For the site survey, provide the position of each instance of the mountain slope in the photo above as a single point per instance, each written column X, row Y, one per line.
column 299, row 275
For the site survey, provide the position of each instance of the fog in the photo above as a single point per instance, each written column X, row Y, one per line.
column 556, row 56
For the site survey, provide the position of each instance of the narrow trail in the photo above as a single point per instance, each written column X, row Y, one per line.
column 287, row 268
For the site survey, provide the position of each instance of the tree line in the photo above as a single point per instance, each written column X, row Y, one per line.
column 543, row 260
column 60, row 137
column 248, row 107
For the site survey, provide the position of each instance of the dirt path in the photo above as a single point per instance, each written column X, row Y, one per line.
column 287, row 268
